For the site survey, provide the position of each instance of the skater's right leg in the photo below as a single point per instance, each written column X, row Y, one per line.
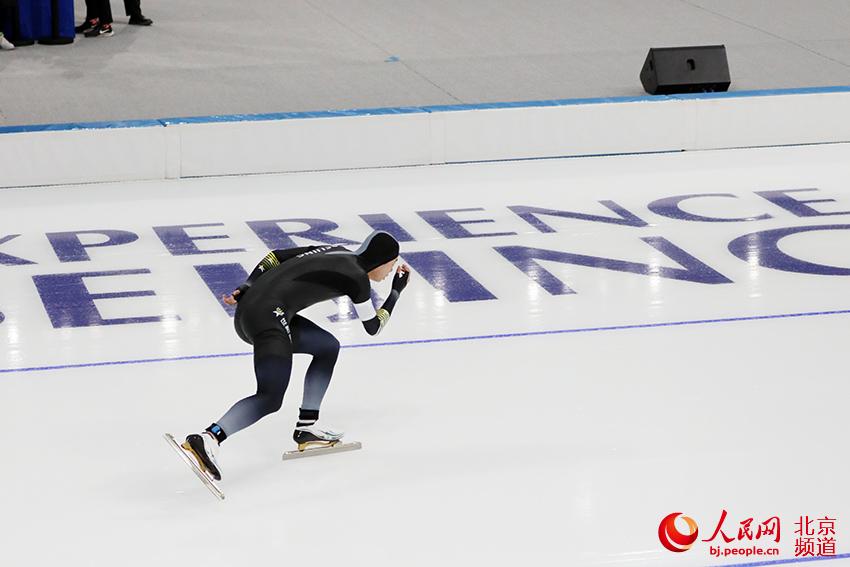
column 272, row 366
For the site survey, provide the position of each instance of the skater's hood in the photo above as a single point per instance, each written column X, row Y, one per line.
column 378, row 248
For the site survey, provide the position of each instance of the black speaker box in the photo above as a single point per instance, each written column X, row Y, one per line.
column 695, row 69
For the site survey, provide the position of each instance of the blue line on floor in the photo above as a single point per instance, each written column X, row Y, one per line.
column 785, row 561
column 455, row 339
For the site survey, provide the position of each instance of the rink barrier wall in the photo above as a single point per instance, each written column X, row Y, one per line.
column 171, row 148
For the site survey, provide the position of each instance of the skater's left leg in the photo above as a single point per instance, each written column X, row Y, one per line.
column 309, row 338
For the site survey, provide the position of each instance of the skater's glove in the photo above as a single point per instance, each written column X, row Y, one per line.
column 234, row 297
column 401, row 278
column 240, row 291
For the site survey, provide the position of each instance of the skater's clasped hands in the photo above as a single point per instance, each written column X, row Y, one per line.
column 402, row 275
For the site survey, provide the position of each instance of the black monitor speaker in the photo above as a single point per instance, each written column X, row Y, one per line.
column 694, row 69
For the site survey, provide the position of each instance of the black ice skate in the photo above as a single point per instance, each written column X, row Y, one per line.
column 199, row 453
column 312, row 436
column 204, row 448
column 314, row 440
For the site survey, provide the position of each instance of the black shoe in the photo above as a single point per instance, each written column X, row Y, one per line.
column 104, row 30
column 140, row 20
column 85, row 26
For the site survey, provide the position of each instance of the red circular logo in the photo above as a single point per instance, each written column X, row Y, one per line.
column 672, row 538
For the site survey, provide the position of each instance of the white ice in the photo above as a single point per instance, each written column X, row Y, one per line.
column 517, row 449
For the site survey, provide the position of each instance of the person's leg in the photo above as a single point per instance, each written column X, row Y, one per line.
column 309, row 338
column 105, row 13
column 272, row 366
column 92, row 8
column 132, row 8
column 101, row 24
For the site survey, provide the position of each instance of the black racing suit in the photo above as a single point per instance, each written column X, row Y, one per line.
column 284, row 283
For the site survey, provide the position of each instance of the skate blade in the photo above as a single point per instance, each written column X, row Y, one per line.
column 215, row 490
column 323, row 450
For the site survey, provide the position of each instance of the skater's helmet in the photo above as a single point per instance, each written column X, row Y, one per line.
column 378, row 249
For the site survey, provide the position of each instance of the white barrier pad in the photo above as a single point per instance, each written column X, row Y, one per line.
column 304, row 144
column 82, row 156
column 772, row 120
column 593, row 129
column 424, row 136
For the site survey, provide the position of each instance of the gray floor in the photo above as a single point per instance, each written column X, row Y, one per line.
column 205, row 57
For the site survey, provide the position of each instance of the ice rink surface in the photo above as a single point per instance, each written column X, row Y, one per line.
column 586, row 346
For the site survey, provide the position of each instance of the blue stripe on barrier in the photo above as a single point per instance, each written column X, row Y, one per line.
column 294, row 115
column 414, row 109
column 80, row 126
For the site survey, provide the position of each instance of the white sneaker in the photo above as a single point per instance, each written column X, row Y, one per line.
column 204, row 448
column 5, row 44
